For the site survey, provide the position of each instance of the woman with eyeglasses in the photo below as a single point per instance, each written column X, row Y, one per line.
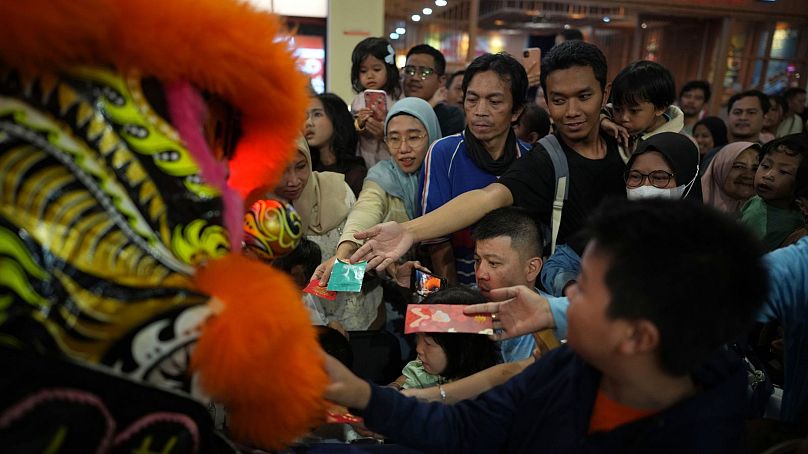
column 665, row 165
column 391, row 187
column 729, row 179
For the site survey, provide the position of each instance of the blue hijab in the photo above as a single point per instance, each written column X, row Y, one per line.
column 386, row 173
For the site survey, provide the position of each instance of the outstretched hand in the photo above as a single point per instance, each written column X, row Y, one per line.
column 521, row 310
column 385, row 243
column 323, row 271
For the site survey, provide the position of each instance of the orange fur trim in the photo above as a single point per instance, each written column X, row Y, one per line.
column 221, row 46
column 260, row 355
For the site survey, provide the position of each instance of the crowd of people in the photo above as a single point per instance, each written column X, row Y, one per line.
column 624, row 238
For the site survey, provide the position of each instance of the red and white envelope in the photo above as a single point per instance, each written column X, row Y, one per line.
column 315, row 289
column 445, row 318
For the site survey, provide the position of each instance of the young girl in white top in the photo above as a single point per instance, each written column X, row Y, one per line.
column 373, row 67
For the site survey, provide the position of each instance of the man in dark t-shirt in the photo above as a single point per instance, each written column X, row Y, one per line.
column 531, row 182
column 573, row 77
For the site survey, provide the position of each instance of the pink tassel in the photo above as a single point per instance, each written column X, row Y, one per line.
column 187, row 111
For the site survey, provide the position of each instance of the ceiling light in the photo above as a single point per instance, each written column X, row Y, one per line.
column 394, row 35
column 401, row 30
column 440, row 2
column 644, row 25
column 607, row 19
column 567, row 26
column 427, row 11
column 415, row 18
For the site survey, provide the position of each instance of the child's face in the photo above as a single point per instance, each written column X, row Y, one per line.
column 638, row 118
column 774, row 179
column 431, row 354
column 372, row 73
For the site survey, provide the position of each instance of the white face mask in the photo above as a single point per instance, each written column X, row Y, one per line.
column 647, row 192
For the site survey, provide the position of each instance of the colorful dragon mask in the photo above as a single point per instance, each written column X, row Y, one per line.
column 118, row 214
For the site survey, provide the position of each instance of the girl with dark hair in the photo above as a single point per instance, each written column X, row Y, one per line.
column 373, row 67
column 443, row 357
column 331, row 137
column 710, row 132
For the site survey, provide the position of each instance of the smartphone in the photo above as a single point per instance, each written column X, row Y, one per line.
column 424, row 283
column 377, row 98
column 531, row 60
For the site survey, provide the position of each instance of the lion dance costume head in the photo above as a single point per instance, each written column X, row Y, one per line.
column 121, row 223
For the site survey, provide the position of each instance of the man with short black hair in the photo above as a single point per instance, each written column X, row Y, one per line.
column 745, row 115
column 693, row 96
column 424, row 73
column 507, row 253
column 494, row 87
column 746, row 111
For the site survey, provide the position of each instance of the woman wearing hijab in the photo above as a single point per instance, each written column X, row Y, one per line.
column 391, row 187
column 729, row 179
column 664, row 165
column 322, row 199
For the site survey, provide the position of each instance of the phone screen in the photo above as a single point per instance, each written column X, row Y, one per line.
column 377, row 99
column 424, row 283
column 531, row 61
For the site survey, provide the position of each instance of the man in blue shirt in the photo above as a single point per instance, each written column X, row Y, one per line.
column 494, row 88
column 507, row 253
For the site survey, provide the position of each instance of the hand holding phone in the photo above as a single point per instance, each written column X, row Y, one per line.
column 530, row 60
column 376, row 101
column 424, row 283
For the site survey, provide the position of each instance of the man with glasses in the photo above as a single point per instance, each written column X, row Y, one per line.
column 494, row 88
column 424, row 74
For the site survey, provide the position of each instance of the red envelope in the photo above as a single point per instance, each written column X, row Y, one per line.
column 315, row 289
column 445, row 318
column 340, row 415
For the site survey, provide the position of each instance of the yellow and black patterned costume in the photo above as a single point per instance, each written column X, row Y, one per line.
column 117, row 221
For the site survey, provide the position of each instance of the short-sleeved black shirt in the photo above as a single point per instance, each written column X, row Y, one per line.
column 531, row 180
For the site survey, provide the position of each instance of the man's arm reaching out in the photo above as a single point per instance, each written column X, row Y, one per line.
column 386, row 243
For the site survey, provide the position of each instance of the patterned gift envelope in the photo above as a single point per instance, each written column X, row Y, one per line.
column 445, row 318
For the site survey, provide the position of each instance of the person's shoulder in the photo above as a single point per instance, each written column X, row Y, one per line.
column 449, row 144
